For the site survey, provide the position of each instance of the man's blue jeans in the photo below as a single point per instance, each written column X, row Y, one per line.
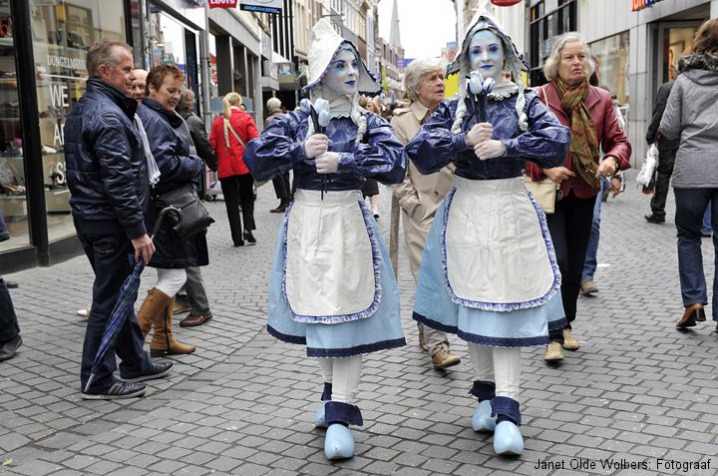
column 110, row 258
column 691, row 204
column 589, row 266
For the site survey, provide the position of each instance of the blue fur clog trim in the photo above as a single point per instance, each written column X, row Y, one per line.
column 327, row 392
column 376, row 258
column 358, row 350
column 507, row 407
column 483, row 390
column 501, row 306
column 343, row 413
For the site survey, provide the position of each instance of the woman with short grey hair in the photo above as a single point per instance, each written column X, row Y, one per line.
column 417, row 71
column 550, row 67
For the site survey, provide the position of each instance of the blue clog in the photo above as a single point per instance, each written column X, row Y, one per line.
column 508, row 440
column 482, row 419
column 339, row 442
column 319, row 419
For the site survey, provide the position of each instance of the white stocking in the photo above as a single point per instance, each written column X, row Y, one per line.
column 345, row 381
column 507, row 367
column 170, row 281
column 482, row 360
column 326, row 366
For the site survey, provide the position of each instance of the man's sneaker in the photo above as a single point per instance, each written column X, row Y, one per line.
column 444, row 358
column 156, row 370
column 116, row 390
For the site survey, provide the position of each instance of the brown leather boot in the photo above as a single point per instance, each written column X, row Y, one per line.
column 163, row 342
column 152, row 309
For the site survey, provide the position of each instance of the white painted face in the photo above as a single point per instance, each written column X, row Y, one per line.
column 486, row 54
column 342, row 75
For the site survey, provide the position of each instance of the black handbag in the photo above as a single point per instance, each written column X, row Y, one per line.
column 188, row 216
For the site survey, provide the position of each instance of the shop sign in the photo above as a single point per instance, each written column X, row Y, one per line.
column 222, row 3
column 505, row 3
column 261, row 6
column 637, row 5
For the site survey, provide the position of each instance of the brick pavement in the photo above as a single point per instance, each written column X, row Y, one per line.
column 243, row 404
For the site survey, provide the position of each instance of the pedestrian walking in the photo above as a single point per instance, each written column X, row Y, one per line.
column 420, row 195
column 666, row 156
column 370, row 188
column 488, row 272
column 178, row 167
column 10, row 339
column 107, row 174
column 332, row 287
column 231, row 132
column 198, row 134
column 691, row 116
column 589, row 112
column 282, row 186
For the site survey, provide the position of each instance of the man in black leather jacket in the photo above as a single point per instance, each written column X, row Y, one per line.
column 107, row 176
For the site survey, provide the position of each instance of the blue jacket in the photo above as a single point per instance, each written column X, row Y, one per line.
column 280, row 148
column 546, row 142
column 106, row 167
column 177, row 167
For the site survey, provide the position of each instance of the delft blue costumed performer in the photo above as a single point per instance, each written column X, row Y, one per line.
column 332, row 287
column 489, row 273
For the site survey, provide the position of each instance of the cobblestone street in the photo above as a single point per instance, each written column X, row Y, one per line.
column 637, row 391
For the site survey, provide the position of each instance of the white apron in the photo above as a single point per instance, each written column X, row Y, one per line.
column 498, row 251
column 331, row 269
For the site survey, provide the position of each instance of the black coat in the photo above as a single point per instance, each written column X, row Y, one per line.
column 177, row 168
column 661, row 100
column 106, row 166
column 201, row 141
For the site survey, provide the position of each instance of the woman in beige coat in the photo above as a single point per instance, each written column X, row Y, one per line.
column 420, row 195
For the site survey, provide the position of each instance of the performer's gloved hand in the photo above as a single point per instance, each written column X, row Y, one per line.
column 316, row 144
column 479, row 133
column 489, row 149
column 327, row 163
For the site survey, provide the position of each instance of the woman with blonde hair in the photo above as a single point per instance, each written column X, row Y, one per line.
column 229, row 137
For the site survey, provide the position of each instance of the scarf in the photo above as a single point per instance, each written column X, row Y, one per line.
column 153, row 171
column 584, row 141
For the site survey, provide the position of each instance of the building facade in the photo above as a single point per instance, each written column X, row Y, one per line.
column 43, row 73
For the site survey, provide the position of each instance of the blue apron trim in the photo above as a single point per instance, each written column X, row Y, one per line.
column 361, row 349
column 284, row 337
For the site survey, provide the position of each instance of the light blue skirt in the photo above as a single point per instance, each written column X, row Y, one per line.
column 435, row 308
column 380, row 331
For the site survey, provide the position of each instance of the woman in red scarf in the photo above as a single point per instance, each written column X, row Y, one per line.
column 588, row 111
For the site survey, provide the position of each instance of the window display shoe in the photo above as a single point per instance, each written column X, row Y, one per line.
column 116, row 390
column 482, row 419
column 554, row 352
column 319, row 417
column 155, row 370
column 569, row 341
column 508, row 440
column 339, row 442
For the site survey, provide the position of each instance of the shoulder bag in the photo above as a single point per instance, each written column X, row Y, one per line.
column 190, row 216
column 546, row 191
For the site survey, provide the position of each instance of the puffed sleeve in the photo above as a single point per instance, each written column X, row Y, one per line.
column 546, row 142
column 435, row 146
column 277, row 149
column 379, row 155
column 671, row 120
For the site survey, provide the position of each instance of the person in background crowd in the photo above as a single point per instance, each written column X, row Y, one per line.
column 370, row 187
column 666, row 156
column 178, row 167
column 139, row 85
column 612, row 187
column 589, row 112
column 282, row 187
column 420, row 195
column 192, row 130
column 488, row 226
column 231, row 132
column 107, row 173
column 332, row 287
column 691, row 116
column 10, row 339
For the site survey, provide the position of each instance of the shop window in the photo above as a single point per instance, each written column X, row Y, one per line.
column 612, row 56
column 13, row 191
column 62, row 32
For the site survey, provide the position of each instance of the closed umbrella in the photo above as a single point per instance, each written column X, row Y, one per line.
column 125, row 304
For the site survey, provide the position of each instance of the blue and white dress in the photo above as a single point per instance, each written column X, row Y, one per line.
column 489, row 271
column 332, row 287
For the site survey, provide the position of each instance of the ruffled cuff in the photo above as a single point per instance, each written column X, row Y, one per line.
column 458, row 142
column 346, row 162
